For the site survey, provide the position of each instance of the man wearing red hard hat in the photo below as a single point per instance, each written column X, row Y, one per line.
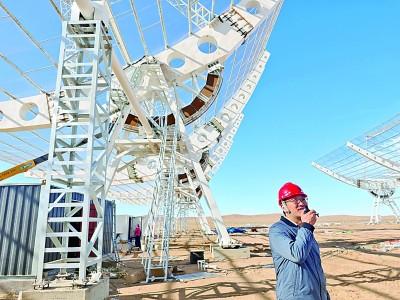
column 295, row 252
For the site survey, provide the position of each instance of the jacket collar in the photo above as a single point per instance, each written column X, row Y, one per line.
column 288, row 222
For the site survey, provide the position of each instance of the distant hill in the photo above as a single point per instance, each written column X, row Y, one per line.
column 266, row 219
column 238, row 220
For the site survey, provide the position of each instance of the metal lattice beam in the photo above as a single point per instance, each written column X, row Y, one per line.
column 376, row 158
column 197, row 13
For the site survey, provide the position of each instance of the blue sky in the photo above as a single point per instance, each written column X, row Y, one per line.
column 332, row 75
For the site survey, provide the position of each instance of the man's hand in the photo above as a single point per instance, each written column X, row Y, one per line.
column 310, row 217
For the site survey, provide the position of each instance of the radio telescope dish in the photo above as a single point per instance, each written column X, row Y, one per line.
column 137, row 101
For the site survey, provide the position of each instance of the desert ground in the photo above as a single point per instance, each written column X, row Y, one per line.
column 360, row 261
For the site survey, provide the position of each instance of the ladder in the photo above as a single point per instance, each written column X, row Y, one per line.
column 236, row 21
column 162, row 205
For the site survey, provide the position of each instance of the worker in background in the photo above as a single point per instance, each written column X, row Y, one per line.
column 138, row 235
column 295, row 251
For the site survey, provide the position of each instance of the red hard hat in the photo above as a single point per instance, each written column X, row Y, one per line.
column 289, row 190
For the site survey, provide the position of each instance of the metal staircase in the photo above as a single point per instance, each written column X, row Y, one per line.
column 162, row 209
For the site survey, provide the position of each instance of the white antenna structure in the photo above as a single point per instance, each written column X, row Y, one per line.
column 141, row 106
column 370, row 162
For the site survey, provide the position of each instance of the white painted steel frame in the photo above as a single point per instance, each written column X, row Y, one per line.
column 228, row 120
column 374, row 157
column 196, row 12
column 84, row 74
column 117, row 34
column 87, row 11
column 162, row 205
column 376, row 151
column 198, row 208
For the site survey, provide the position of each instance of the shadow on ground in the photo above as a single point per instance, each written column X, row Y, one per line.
column 218, row 290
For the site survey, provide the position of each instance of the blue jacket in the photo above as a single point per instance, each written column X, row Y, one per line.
column 297, row 262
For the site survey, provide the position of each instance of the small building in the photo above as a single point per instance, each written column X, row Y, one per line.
column 125, row 226
column 19, row 205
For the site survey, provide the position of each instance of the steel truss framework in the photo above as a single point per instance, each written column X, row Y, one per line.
column 152, row 133
column 79, row 141
column 370, row 162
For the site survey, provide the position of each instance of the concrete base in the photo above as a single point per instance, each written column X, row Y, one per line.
column 219, row 253
column 99, row 291
column 15, row 285
column 11, row 287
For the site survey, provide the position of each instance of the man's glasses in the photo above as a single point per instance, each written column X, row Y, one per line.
column 297, row 200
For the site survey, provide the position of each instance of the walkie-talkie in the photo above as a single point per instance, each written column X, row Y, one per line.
column 306, row 210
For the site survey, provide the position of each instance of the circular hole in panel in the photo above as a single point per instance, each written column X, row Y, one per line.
column 241, row 96
column 207, row 45
column 253, row 7
column 29, row 111
column 176, row 60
